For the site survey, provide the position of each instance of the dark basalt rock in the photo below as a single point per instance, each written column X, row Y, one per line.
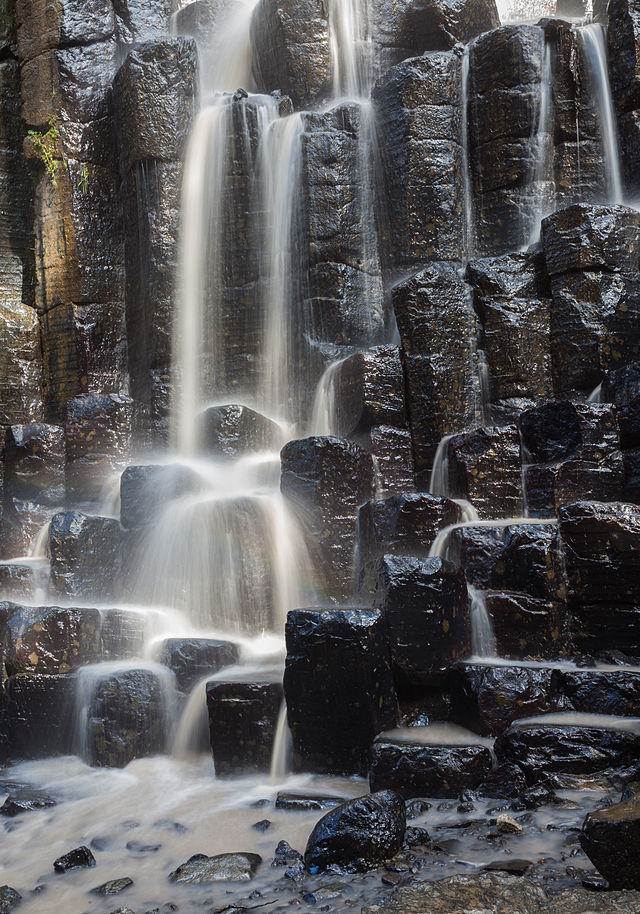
column 290, row 41
column 145, row 491
column 326, row 480
column 485, row 469
column 242, row 725
column 232, row 430
column 85, row 556
column 426, row 606
column 611, row 840
column 38, row 715
column 97, row 440
column 622, row 387
column 331, row 653
column 615, row 692
column 303, row 802
column 393, row 454
column 403, row 524
column 126, row 718
column 79, row 857
column 414, row 763
column 369, row 392
column 199, row 19
column 490, row 698
column 551, row 432
column 191, row 659
column 142, row 20
column 113, row 887
column 587, row 237
column 576, row 745
column 601, row 553
column 122, row 634
column 49, row 639
column 203, row 870
column 527, row 627
column 358, row 835
column 285, row 855
column 18, row 582
column 417, row 105
column 25, row 800
column 20, row 366
column 9, row 899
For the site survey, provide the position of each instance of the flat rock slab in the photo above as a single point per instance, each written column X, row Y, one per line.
column 203, row 870
column 429, row 761
column 300, row 801
column 493, row 893
column 113, row 887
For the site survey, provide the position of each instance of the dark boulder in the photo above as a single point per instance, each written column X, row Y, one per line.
column 291, row 50
column 359, row 835
column 331, row 653
column 326, row 480
column 393, row 460
column 85, row 556
column 622, row 387
column 78, row 857
column 98, row 440
column 614, row 691
column 25, row 800
column 9, row 899
column 610, row 838
column 369, row 392
column 49, row 639
column 203, row 870
column 242, row 725
column 146, row 491
column 34, row 463
column 528, row 627
column 429, row 762
column 113, row 887
column 485, row 469
column 191, row 659
column 38, row 714
column 426, row 606
column 232, row 430
column 570, row 744
column 587, row 237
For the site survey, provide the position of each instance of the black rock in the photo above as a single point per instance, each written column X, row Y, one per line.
column 513, row 867
column 417, row 807
column 113, row 887
column 285, row 855
column 191, row 659
column 25, row 800
column 38, row 714
column 98, row 434
column 414, row 763
column 242, row 725
column 231, row 430
column 300, row 802
column 485, row 469
column 203, row 870
column 85, row 556
column 262, row 825
column 79, row 857
column 358, row 835
column 416, row 837
column 331, row 653
column 611, row 839
column 369, row 392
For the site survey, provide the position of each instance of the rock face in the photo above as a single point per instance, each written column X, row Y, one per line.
column 242, row 725
column 426, row 605
column 230, row 431
column 484, row 468
column 358, row 835
column 326, row 480
column 85, row 556
column 611, row 839
column 98, row 435
column 39, row 709
column 49, row 639
column 329, row 653
column 191, row 659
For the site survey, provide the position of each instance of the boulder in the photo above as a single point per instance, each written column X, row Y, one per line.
column 568, row 744
column 330, row 652
column 191, row 659
column 359, row 835
column 484, row 468
column 426, row 606
column 429, row 761
column 393, row 460
column 242, row 725
column 528, row 627
column 97, row 441
column 614, row 691
column 369, row 392
column 291, row 50
column 78, row 857
column 326, row 480
column 203, row 870
column 49, row 639
column 126, row 717
column 417, row 105
column 85, row 556
column 610, row 838
column 231, row 431
column 19, row 582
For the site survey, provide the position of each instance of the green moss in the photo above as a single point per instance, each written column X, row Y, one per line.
column 47, row 143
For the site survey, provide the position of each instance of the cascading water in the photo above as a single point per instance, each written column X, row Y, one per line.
column 350, row 40
column 542, row 180
column 469, row 227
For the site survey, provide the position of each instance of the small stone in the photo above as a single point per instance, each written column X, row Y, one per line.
column 79, row 856
column 508, row 826
column 25, row 801
column 9, row 898
column 113, row 887
column 202, row 870
column 392, row 879
column 285, row 855
column 262, row 825
column 324, row 893
column 512, row 867
column 417, row 807
column 307, row 801
column 417, row 837
column 137, row 847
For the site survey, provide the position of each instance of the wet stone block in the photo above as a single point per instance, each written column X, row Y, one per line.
column 85, row 556
column 330, row 653
column 611, row 840
column 98, row 441
column 426, row 605
column 39, row 714
column 232, row 430
column 414, row 763
column 34, row 463
column 127, row 718
column 191, row 659
column 404, row 524
column 490, row 698
column 122, row 634
column 242, row 725
column 578, row 745
column 18, row 582
column 369, row 392
column 49, row 639
column 526, row 627
column 615, row 692
column 326, row 480
column 485, row 469
column 154, row 97
column 588, row 237
column 392, row 453
column 146, row 491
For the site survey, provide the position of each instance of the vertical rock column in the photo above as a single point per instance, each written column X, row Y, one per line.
column 623, row 37
column 154, row 97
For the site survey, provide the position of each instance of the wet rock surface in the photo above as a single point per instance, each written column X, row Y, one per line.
column 242, row 725
column 191, row 659
column 203, row 870
column 79, row 857
column 85, row 556
column 358, row 835
column 610, row 839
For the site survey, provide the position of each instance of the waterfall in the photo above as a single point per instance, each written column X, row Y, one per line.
column 593, row 39
column 324, row 419
column 350, row 42
column 469, row 222
column 227, row 61
column 542, row 151
column 483, row 639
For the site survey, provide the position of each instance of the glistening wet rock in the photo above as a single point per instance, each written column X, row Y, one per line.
column 38, row 714
column 113, row 887
column 331, row 653
column 485, row 469
column 527, row 627
column 85, row 556
column 426, row 606
column 615, row 692
column 79, row 857
column 9, row 898
column 203, row 870
column 49, row 639
column 232, row 430
column 420, row 761
column 358, row 835
column 369, row 392
column 98, row 432
column 611, row 839
column 242, row 725
column 25, row 800
column 191, row 659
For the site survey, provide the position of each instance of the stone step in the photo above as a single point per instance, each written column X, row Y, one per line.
column 243, row 717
